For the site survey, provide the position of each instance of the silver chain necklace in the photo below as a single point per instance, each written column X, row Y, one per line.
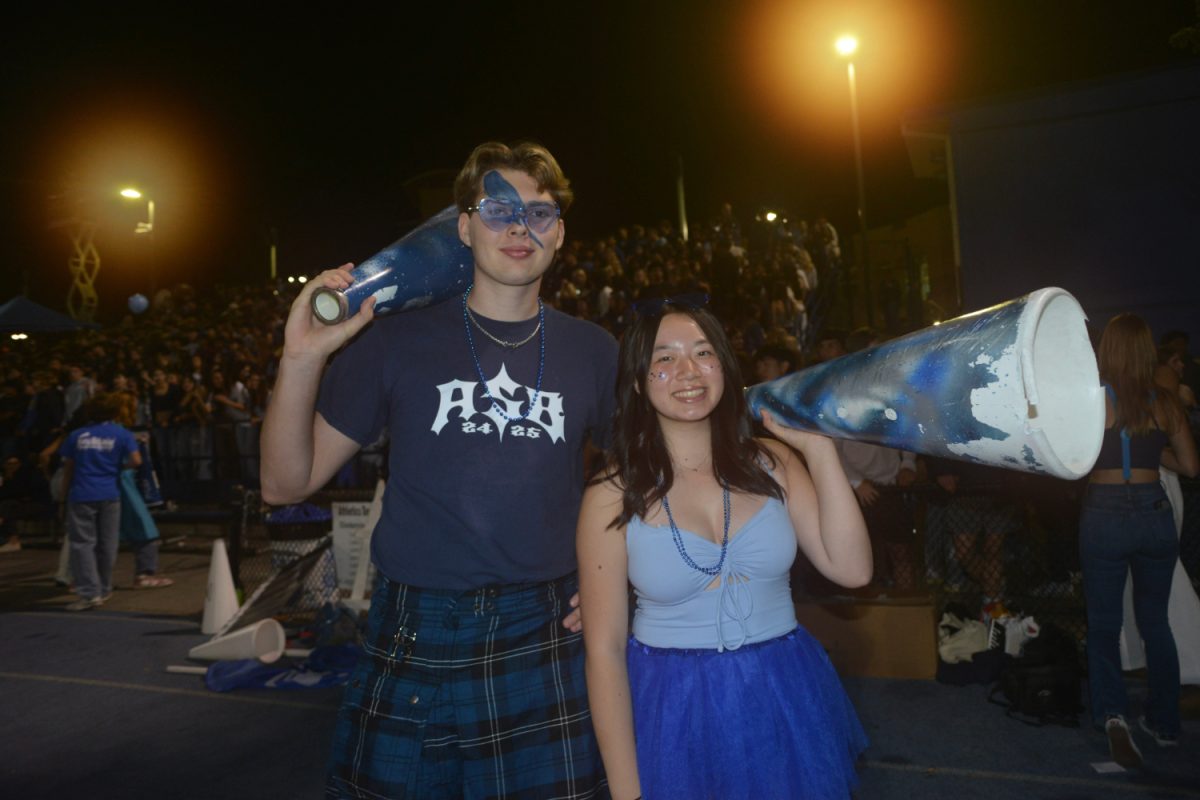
column 502, row 342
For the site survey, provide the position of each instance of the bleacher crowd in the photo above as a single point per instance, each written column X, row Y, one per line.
column 200, row 364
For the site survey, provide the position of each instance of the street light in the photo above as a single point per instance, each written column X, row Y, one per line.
column 847, row 46
column 146, row 227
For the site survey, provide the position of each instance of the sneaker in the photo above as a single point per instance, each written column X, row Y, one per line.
column 997, row 632
column 85, row 604
column 1120, row 743
column 151, row 582
column 1161, row 739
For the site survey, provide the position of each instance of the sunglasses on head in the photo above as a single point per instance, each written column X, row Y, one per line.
column 653, row 306
column 539, row 216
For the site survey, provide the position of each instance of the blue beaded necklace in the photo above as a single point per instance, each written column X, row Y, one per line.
column 537, row 389
column 675, row 535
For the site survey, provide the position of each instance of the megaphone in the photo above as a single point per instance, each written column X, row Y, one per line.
column 425, row 266
column 1013, row 386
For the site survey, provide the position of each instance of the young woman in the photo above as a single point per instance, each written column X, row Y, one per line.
column 1127, row 526
column 718, row 693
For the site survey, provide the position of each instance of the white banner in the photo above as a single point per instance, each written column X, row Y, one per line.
column 352, row 545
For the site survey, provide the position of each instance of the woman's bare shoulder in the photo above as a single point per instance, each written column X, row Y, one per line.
column 603, row 492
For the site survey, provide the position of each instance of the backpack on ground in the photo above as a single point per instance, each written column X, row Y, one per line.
column 1045, row 683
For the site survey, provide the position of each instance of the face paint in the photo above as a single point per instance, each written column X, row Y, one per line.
column 669, row 364
column 686, row 382
column 497, row 188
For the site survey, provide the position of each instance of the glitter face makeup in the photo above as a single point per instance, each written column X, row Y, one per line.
column 685, row 381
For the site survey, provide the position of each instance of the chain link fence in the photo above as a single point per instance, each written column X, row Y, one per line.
column 291, row 546
column 1015, row 541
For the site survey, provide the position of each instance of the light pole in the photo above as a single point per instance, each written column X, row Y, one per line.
column 847, row 46
column 147, row 228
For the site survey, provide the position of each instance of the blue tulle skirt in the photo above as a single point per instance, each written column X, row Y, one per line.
column 768, row 720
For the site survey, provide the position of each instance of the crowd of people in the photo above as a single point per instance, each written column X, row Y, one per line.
column 220, row 381
column 200, row 365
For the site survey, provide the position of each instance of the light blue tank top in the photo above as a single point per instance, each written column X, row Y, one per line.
column 753, row 603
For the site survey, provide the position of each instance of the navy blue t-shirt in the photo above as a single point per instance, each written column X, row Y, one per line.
column 472, row 498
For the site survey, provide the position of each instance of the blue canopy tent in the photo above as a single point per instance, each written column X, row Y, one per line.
column 22, row 315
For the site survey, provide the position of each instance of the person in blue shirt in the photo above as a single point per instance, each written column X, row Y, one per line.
column 93, row 457
column 719, row 692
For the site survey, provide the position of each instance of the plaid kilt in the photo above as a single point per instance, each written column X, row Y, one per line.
column 476, row 694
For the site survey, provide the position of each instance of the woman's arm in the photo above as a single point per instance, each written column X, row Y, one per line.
column 828, row 521
column 604, row 596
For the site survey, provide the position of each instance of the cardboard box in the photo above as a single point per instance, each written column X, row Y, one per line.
column 875, row 638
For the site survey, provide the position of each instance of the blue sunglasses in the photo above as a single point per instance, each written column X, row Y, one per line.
column 498, row 215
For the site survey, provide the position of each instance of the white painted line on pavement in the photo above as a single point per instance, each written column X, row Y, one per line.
column 139, row 687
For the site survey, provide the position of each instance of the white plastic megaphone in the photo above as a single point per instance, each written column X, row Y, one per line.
column 264, row 640
column 1014, row 386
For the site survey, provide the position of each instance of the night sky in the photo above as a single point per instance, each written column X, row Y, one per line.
column 248, row 121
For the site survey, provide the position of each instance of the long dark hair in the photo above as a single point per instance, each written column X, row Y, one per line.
column 640, row 464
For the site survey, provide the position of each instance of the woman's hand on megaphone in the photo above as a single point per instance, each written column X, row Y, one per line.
column 811, row 445
column 305, row 337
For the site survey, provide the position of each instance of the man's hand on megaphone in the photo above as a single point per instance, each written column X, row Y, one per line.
column 304, row 336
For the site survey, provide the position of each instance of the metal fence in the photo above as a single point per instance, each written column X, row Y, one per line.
column 1016, row 542
column 265, row 549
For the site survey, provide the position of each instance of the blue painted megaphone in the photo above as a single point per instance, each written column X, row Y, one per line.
column 1013, row 386
column 425, row 266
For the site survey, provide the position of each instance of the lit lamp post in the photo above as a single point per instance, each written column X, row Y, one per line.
column 847, row 46
column 147, row 228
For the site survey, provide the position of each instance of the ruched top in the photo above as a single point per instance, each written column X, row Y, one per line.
column 752, row 603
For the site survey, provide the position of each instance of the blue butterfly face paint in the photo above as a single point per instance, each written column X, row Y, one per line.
column 502, row 206
column 1014, row 386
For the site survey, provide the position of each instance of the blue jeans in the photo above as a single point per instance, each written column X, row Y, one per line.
column 94, row 530
column 1129, row 528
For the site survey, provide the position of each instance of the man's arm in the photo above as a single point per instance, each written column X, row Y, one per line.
column 300, row 451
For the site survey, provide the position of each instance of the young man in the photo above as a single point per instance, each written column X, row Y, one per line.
column 472, row 684
column 773, row 361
